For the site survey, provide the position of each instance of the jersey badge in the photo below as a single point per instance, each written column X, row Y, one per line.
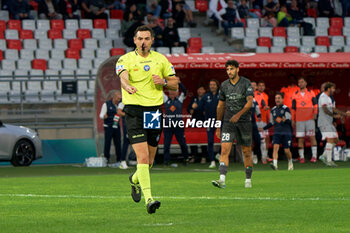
column 146, row 68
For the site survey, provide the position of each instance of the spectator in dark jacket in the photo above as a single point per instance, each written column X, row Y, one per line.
column 69, row 9
column 325, row 8
column 48, row 9
column 19, row 9
column 158, row 32
column 179, row 15
column 94, row 9
column 170, row 35
column 244, row 12
column 231, row 17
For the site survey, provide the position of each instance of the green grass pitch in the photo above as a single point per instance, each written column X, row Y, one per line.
column 48, row 199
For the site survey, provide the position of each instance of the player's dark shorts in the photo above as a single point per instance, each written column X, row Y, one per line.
column 134, row 125
column 241, row 131
column 282, row 138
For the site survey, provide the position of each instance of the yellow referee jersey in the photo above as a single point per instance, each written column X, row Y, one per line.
column 140, row 71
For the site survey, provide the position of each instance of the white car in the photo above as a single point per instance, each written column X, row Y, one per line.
column 19, row 145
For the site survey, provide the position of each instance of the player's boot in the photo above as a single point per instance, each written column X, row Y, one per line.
column 273, row 166
column 152, row 206
column 313, row 160
column 332, row 164
column 302, row 160
column 212, row 164
column 135, row 190
column 248, row 183
column 219, row 184
column 290, row 167
column 323, row 159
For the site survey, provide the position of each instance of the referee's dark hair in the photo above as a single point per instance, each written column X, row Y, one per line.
column 328, row 85
column 144, row 28
column 280, row 93
column 232, row 63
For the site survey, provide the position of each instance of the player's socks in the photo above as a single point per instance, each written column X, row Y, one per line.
column 328, row 152
column 301, row 152
column 314, row 151
column 144, row 180
column 275, row 162
column 134, row 178
column 248, row 172
column 223, row 171
column 263, row 148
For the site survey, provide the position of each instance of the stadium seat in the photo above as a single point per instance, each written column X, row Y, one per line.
column 98, row 62
column 201, row 5
column 308, row 41
column 112, row 33
column 249, row 43
column 20, row 74
column 36, row 74
column 312, row 12
column 322, row 22
column 261, row 49
column 82, row 73
column 98, row 33
column 86, row 24
column 275, row 49
column 55, row 34
column 251, row 32
column 75, row 44
column 321, row 49
column 195, row 42
column 4, row 15
column 3, row 26
column 26, row 34
column 14, row 44
column 30, row 44
column 208, row 49
column 73, row 53
column 118, row 43
column 69, row 34
column 72, row 24
column 348, row 40
column 88, row 53
column 291, row 49
column 347, row 22
column 83, row 34
column 237, row 33
column 346, row 31
column 184, row 34
column 57, row 24
column 45, row 44
column 1, row 55
column 163, row 50
column 90, row 43
column 117, row 14
column 193, row 50
column 321, row 31
column 346, row 49
column 103, row 53
column 322, row 41
column 2, row 36
column 279, row 41
column 60, row 44
column 333, row 31
column 117, row 51
column 57, row 54
column 293, row 32
column 279, row 31
column 3, row 45
column 338, row 40
column 42, row 54
column 336, row 22
column 43, row 24
column 85, row 64
column 100, row 23
column 293, row 41
column 310, row 20
column 105, row 43
column 39, row 64
column 265, row 32
column 6, row 75
column 14, row 24
column 253, row 23
column 11, row 54
column 335, row 48
column 52, row 74
column 70, row 64
column 55, row 64
column 40, row 34
column 11, row 34
column 8, row 64
column 178, row 50
column 115, row 24
column 28, row 24
column 264, row 42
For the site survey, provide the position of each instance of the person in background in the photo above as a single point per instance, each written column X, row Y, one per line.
column 216, row 9
column 19, row 9
column 231, row 17
column 171, row 36
column 173, row 113
column 48, row 9
column 116, row 5
column 125, row 144
column 94, row 9
column 69, row 9
column 158, row 32
column 111, row 126
column 256, row 116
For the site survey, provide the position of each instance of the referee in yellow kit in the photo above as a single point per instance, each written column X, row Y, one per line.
column 143, row 74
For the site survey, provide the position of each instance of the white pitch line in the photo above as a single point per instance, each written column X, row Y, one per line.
column 159, row 224
column 184, row 198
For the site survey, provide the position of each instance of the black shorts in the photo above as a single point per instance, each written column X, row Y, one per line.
column 282, row 138
column 134, row 119
column 241, row 131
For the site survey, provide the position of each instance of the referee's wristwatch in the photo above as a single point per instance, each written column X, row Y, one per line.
column 165, row 83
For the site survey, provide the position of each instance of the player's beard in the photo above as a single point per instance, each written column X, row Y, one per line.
column 234, row 76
